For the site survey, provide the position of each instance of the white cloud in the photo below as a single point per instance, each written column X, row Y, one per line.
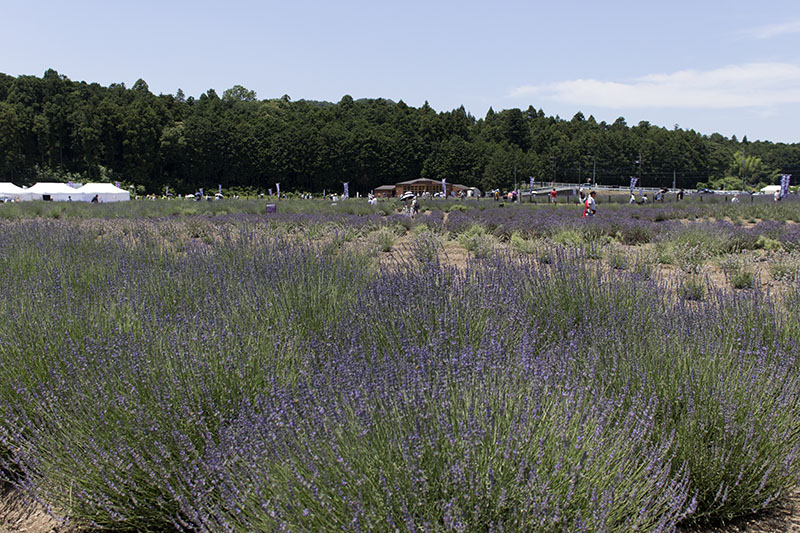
column 736, row 86
column 775, row 30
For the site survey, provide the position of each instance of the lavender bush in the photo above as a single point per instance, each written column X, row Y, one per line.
column 231, row 373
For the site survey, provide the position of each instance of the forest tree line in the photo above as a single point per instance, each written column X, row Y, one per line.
column 55, row 129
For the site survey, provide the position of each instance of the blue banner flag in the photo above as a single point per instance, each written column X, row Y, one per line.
column 278, row 189
column 785, row 178
column 531, row 183
column 346, row 189
column 633, row 183
column 444, row 188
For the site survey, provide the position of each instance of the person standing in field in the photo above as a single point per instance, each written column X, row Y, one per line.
column 553, row 195
column 632, row 199
column 589, row 206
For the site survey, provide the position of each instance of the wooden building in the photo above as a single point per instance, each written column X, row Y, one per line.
column 422, row 187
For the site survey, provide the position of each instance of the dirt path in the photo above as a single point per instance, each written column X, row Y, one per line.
column 19, row 513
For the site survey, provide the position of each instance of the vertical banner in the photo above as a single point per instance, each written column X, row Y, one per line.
column 278, row 189
column 444, row 188
column 270, row 192
column 633, row 183
column 785, row 178
column 166, row 190
column 346, row 189
column 531, row 184
column 201, row 193
column 219, row 191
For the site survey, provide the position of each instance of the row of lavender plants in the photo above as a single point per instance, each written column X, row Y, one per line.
column 690, row 209
column 624, row 225
column 243, row 381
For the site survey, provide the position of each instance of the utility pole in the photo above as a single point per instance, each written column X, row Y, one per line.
column 741, row 167
column 515, row 179
column 673, row 178
column 639, row 163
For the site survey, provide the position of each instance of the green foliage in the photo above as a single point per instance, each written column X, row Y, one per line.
column 55, row 126
column 767, row 243
column 475, row 239
column 242, row 303
column 740, row 275
column 521, row 244
column 617, row 258
column 692, row 287
column 384, row 238
column 747, row 167
column 568, row 236
column 785, row 267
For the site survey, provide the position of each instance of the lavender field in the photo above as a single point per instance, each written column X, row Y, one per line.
column 342, row 369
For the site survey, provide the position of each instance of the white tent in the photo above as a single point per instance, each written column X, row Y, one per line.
column 12, row 192
column 57, row 192
column 105, row 192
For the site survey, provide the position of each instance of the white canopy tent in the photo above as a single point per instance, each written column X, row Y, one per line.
column 57, row 192
column 105, row 192
column 12, row 192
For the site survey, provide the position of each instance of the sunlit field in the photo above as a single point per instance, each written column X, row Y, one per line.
column 172, row 365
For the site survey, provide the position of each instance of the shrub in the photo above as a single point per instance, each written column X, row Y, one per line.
column 766, row 243
column 785, row 267
column 692, row 287
column 251, row 380
column 384, row 238
column 475, row 240
column 521, row 244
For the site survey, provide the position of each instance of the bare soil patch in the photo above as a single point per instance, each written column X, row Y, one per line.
column 18, row 512
column 783, row 519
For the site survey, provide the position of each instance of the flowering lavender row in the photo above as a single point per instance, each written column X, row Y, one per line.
column 214, row 376
column 629, row 226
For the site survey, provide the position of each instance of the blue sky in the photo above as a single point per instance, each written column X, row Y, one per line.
column 711, row 66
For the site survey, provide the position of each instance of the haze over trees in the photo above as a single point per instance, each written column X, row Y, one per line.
column 55, row 128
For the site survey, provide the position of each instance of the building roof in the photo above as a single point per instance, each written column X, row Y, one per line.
column 385, row 188
column 418, row 180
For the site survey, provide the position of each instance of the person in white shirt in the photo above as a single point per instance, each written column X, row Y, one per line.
column 590, row 207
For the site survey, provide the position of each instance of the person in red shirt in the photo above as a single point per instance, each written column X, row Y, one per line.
column 589, row 206
column 553, row 195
